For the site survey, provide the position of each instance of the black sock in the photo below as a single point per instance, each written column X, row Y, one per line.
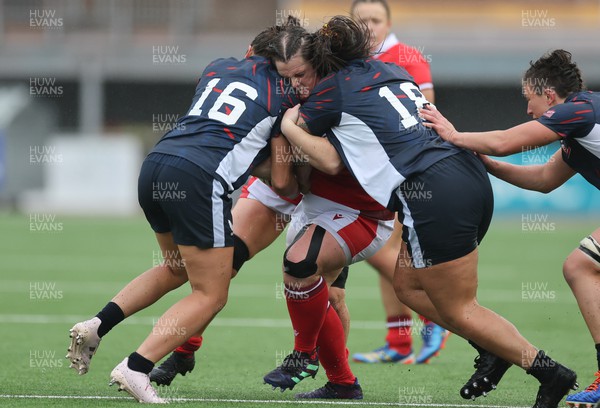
column 110, row 316
column 598, row 355
column 543, row 367
column 138, row 363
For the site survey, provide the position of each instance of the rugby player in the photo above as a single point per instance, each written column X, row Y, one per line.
column 209, row 154
column 563, row 111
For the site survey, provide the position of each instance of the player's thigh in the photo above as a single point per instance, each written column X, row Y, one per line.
column 359, row 236
column 209, row 269
column 405, row 275
column 317, row 245
column 451, row 286
column 170, row 254
column 188, row 207
column 384, row 260
column 331, row 258
column 255, row 224
column 336, row 295
column 395, row 240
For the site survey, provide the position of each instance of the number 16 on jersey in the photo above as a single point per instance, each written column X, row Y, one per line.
column 230, row 117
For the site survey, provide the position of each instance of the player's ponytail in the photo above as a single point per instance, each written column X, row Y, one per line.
column 339, row 41
column 554, row 70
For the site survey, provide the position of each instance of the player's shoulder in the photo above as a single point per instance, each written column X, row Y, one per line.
column 250, row 66
column 584, row 97
column 361, row 74
column 575, row 117
column 220, row 63
column 259, row 64
column 360, row 68
column 579, row 104
column 385, row 71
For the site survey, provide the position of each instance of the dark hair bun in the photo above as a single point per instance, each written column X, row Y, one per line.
column 339, row 41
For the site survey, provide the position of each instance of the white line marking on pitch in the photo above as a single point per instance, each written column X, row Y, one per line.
column 239, row 401
column 150, row 321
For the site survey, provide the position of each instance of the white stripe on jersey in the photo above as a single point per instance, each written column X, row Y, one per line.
column 367, row 158
column 237, row 161
column 409, row 222
column 591, row 141
column 217, row 215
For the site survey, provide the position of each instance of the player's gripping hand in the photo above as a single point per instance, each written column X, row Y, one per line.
column 491, row 165
column 437, row 121
column 291, row 115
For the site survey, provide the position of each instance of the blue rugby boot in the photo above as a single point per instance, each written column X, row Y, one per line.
column 590, row 397
column 434, row 339
column 384, row 354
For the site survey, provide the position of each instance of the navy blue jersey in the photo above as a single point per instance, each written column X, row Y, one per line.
column 369, row 112
column 577, row 122
column 227, row 129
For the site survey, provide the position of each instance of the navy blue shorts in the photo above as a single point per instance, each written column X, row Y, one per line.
column 179, row 197
column 446, row 210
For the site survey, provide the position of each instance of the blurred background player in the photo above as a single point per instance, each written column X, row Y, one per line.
column 563, row 111
column 398, row 341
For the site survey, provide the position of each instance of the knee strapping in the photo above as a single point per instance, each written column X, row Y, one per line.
column 240, row 252
column 308, row 266
column 591, row 248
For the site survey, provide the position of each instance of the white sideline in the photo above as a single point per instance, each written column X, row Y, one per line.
column 240, row 401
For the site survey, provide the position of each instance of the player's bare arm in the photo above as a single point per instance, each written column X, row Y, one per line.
column 320, row 152
column 496, row 142
column 283, row 179
column 263, row 170
column 543, row 178
column 302, row 171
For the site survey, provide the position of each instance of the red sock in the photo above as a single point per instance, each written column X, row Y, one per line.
column 307, row 307
column 399, row 336
column 425, row 320
column 333, row 354
column 190, row 346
